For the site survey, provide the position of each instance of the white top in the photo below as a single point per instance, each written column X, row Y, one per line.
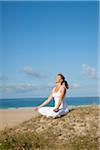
column 57, row 95
column 63, row 109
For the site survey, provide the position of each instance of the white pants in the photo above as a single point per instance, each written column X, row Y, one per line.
column 48, row 111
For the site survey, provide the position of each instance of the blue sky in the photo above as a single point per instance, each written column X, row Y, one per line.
column 41, row 39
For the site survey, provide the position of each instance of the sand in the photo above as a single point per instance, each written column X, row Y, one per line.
column 12, row 117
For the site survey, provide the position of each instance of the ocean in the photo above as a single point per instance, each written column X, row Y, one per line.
column 32, row 102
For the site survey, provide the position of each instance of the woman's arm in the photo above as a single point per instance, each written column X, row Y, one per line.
column 45, row 102
column 63, row 91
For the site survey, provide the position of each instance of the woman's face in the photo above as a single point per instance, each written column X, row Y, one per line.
column 58, row 79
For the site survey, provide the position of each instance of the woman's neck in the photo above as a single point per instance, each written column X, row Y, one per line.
column 58, row 85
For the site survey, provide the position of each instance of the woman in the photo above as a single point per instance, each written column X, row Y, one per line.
column 58, row 93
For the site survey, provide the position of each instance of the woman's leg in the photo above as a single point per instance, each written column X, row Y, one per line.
column 48, row 111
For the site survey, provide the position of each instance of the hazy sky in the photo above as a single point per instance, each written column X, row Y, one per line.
column 41, row 39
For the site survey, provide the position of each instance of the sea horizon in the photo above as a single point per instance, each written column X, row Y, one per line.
column 47, row 97
column 11, row 103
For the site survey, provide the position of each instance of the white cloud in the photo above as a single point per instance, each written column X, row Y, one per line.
column 89, row 71
column 74, row 86
column 3, row 78
column 29, row 71
column 23, row 88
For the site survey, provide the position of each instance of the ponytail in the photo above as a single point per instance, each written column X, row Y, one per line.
column 65, row 83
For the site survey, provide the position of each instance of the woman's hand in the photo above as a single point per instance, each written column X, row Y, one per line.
column 35, row 108
column 56, row 110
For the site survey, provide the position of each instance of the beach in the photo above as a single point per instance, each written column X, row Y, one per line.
column 12, row 117
column 15, row 116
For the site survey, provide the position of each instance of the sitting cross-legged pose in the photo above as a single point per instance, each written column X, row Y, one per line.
column 58, row 93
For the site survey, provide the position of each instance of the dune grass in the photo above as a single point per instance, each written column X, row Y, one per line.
column 78, row 130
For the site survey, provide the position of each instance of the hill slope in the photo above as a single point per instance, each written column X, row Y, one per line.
column 78, row 130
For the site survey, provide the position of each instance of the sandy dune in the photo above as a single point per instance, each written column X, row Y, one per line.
column 12, row 117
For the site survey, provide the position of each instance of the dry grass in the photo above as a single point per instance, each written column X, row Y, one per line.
column 78, row 130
